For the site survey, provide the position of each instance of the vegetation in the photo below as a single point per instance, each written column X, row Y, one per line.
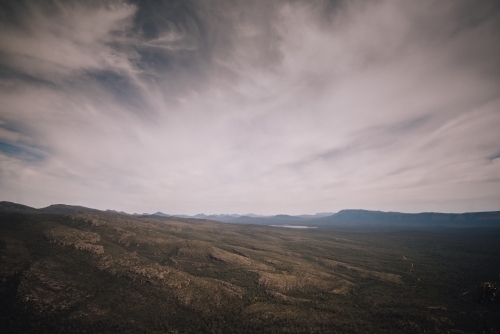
column 94, row 271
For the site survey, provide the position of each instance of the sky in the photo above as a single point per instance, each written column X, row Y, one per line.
column 242, row 106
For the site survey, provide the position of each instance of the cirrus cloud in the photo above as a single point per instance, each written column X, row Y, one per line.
column 217, row 106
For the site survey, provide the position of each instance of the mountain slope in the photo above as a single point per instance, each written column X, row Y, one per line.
column 54, row 208
column 14, row 207
column 65, row 209
column 108, row 272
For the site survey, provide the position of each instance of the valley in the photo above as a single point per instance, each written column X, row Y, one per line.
column 104, row 272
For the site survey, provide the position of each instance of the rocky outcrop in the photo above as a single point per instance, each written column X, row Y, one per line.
column 80, row 240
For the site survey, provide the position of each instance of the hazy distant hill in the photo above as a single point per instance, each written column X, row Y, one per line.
column 368, row 219
column 161, row 214
column 379, row 218
column 317, row 215
column 341, row 219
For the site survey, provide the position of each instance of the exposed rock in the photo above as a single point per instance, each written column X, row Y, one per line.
column 81, row 240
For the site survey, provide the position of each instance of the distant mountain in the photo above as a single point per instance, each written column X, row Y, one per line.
column 220, row 217
column 360, row 218
column 367, row 219
column 182, row 216
column 387, row 219
column 243, row 220
column 65, row 209
column 119, row 212
column 341, row 219
column 260, row 220
column 161, row 214
column 286, row 218
column 317, row 215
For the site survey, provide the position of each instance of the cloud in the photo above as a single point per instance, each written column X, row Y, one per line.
column 56, row 39
column 250, row 106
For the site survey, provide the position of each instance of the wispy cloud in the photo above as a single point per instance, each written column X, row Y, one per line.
column 251, row 106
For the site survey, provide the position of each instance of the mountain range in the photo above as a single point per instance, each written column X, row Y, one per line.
column 341, row 219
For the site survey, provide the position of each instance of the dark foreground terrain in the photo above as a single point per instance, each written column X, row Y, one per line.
column 91, row 271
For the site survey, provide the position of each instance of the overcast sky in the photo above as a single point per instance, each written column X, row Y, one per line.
column 251, row 106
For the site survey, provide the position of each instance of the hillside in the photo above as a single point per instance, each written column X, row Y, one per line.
column 108, row 272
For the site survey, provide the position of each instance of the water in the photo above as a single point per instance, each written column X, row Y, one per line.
column 294, row 226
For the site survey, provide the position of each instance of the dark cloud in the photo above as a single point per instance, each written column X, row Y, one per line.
column 184, row 45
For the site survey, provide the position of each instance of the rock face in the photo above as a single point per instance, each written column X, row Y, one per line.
column 81, row 240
